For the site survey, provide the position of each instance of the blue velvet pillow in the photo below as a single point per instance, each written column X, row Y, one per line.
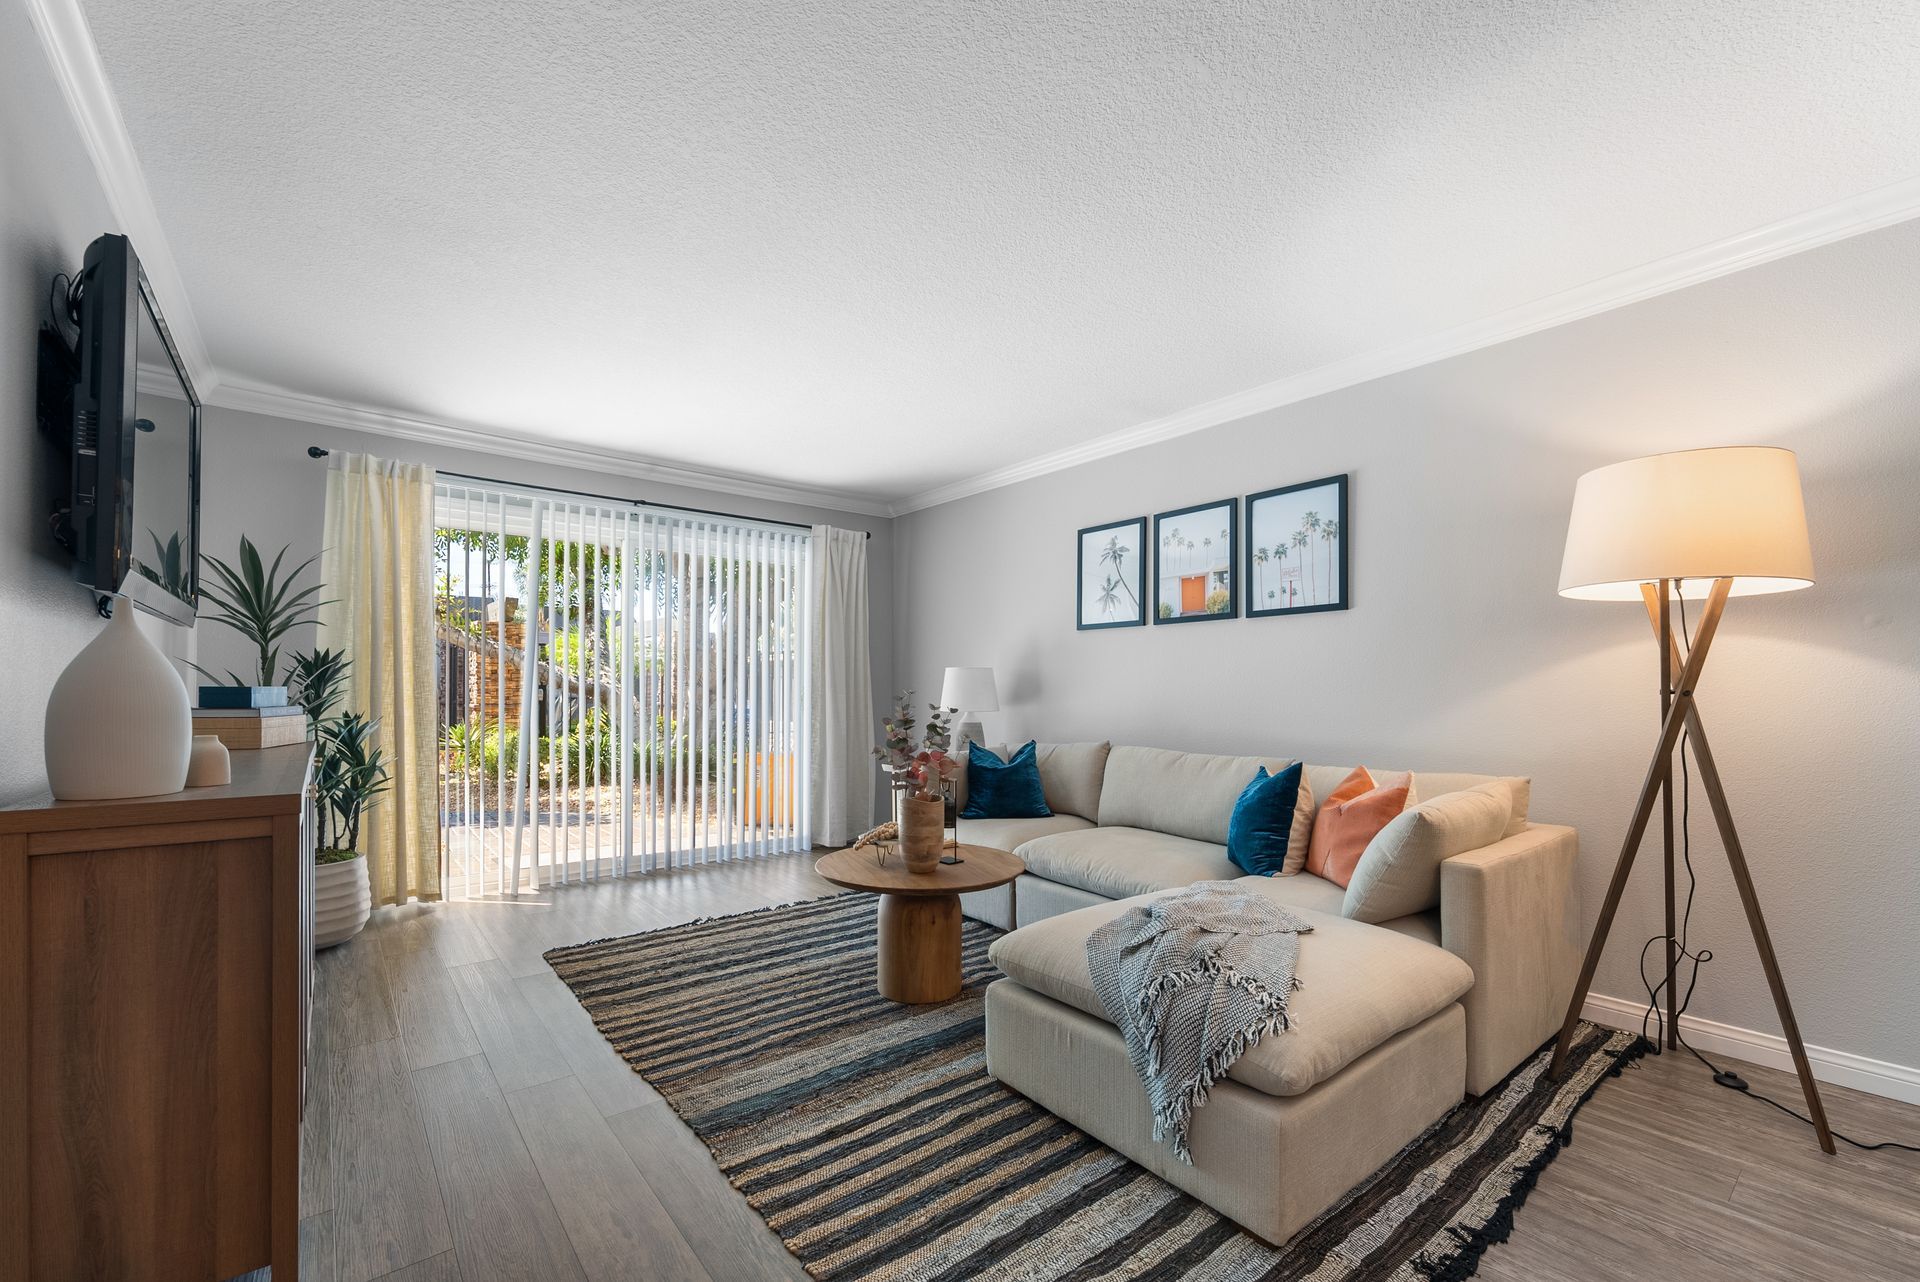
column 1008, row 789
column 1262, row 820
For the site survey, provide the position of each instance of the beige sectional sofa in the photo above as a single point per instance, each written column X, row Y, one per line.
column 1394, row 1024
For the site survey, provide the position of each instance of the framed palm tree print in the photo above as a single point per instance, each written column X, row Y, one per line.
column 1297, row 548
column 1197, row 563
column 1113, row 580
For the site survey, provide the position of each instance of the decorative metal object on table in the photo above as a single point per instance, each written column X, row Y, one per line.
column 952, row 805
column 881, row 839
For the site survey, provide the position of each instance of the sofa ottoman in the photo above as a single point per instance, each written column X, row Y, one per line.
column 1376, row 1054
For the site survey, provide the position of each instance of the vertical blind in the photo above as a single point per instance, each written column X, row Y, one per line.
column 621, row 689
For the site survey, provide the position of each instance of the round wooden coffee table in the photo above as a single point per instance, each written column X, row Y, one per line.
column 919, row 913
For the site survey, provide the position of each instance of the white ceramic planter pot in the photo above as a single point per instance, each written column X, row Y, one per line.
column 342, row 901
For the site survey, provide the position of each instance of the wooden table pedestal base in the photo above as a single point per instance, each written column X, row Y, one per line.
column 919, row 954
column 919, row 917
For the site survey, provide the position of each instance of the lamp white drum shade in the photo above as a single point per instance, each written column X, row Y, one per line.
column 970, row 690
column 1698, row 515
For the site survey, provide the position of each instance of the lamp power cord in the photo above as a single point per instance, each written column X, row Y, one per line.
column 1694, row 960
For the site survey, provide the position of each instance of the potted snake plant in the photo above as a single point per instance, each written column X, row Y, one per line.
column 350, row 774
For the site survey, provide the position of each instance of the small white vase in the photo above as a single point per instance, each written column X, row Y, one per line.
column 342, row 901
column 208, row 763
column 118, row 721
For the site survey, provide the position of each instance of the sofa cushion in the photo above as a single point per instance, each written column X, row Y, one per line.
column 961, row 753
column 1358, row 809
column 1428, row 784
column 1262, row 824
column 1187, row 794
column 1316, row 894
column 1036, row 899
column 1399, row 872
column 1322, row 780
column 1070, row 774
column 1301, row 836
column 1004, row 789
column 1011, row 834
column 1119, row 862
column 1359, row 985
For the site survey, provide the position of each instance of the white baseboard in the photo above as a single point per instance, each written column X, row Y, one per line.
column 1874, row 1076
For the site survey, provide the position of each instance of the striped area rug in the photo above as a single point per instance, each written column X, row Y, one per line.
column 870, row 1138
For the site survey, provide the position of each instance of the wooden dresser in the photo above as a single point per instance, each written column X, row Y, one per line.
column 155, row 979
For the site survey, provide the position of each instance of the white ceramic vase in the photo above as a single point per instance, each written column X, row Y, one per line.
column 118, row 720
column 342, row 900
column 208, row 762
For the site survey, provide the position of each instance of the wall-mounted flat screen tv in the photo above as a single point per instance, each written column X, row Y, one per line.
column 133, row 517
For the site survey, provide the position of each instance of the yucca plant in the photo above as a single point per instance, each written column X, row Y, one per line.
column 317, row 681
column 349, row 778
column 256, row 601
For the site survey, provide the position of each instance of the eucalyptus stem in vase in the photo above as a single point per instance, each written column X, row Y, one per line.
column 918, row 773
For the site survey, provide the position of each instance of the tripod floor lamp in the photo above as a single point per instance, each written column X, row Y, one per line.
column 1715, row 523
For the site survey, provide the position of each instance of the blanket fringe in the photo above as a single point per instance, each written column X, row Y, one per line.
column 1172, row 1118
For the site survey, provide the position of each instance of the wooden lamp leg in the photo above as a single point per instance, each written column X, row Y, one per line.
column 1757, row 924
column 1681, row 710
column 1657, row 771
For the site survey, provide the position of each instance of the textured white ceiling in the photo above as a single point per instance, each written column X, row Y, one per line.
column 877, row 247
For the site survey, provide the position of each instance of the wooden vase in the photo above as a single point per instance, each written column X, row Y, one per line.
column 921, row 832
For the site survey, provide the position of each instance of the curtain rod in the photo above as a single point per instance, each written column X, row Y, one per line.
column 320, row 451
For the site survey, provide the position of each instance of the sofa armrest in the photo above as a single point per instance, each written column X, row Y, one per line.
column 1509, row 910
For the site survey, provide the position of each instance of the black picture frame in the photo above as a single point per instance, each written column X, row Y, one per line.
column 1136, row 524
column 1338, row 556
column 1164, row 611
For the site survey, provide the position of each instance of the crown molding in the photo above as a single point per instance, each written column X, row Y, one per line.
column 253, row 398
column 1869, row 211
column 75, row 59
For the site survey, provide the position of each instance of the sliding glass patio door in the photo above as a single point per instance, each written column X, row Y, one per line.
column 621, row 689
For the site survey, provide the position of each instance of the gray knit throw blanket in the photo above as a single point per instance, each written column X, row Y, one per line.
column 1193, row 981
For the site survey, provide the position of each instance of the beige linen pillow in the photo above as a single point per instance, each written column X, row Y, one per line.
column 1070, row 776
column 1399, row 873
column 1429, row 784
column 1302, row 831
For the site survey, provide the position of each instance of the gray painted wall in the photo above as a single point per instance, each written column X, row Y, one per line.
column 51, row 207
column 1457, row 652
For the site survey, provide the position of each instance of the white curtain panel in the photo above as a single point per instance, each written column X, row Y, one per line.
column 842, row 727
column 377, row 564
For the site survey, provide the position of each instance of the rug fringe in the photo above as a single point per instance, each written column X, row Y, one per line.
column 1464, row 1261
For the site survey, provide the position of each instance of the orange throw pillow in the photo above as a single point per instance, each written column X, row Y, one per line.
column 1322, row 835
column 1348, row 819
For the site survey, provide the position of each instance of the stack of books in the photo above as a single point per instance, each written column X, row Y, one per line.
column 241, row 728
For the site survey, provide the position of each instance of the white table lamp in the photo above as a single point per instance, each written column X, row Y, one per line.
column 971, row 690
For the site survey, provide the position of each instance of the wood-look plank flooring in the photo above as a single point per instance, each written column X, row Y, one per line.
column 467, row 1122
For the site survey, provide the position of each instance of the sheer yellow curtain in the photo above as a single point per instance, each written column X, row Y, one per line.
column 377, row 564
